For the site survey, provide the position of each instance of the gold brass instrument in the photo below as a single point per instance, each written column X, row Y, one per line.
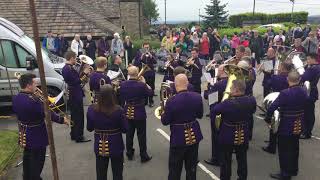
column 165, row 94
column 143, row 70
column 231, row 60
column 210, row 65
column 52, row 100
column 191, row 60
column 168, row 63
column 234, row 73
column 84, row 63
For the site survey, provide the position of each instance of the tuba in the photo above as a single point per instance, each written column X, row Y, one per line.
column 165, row 94
column 234, row 72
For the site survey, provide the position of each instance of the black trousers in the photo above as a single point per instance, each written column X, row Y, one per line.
column 288, row 150
column 309, row 118
column 215, row 151
column 272, row 141
column 251, row 123
column 188, row 155
column 140, row 125
column 102, row 167
column 197, row 86
column 33, row 161
column 266, row 90
column 77, row 118
column 150, row 80
column 226, row 157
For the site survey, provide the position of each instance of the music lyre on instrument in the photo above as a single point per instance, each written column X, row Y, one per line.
column 52, row 100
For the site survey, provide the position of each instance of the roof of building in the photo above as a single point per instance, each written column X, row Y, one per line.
column 66, row 16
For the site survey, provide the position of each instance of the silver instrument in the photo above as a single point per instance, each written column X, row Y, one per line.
column 268, row 100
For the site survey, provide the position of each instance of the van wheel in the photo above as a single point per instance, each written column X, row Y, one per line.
column 53, row 92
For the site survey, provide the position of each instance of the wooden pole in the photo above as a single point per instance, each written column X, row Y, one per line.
column 44, row 89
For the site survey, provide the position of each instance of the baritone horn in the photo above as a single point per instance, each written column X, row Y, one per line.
column 165, row 94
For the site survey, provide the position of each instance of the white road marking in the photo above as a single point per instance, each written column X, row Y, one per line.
column 315, row 137
column 259, row 117
column 213, row 176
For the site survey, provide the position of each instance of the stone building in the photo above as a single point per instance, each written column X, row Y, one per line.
column 98, row 17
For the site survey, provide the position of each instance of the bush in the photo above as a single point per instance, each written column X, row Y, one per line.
column 238, row 19
column 230, row 31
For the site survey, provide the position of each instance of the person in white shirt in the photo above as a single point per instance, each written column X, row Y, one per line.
column 117, row 45
column 77, row 45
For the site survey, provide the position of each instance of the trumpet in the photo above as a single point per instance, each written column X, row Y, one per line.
column 52, row 100
column 191, row 60
column 230, row 60
column 210, row 65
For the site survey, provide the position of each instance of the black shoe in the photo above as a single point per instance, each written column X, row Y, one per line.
column 266, row 141
column 303, row 136
column 280, row 177
column 82, row 140
column 155, row 95
column 130, row 157
column 207, row 115
column 146, row 159
column 151, row 105
column 212, row 162
column 267, row 149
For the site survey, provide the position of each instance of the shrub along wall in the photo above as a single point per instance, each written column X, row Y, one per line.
column 298, row 17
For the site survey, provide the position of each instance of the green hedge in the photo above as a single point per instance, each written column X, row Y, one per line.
column 230, row 31
column 298, row 17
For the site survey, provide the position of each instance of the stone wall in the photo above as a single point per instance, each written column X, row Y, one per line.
column 130, row 17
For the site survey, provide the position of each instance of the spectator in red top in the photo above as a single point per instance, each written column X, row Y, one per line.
column 205, row 45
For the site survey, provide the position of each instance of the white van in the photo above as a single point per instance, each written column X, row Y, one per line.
column 16, row 49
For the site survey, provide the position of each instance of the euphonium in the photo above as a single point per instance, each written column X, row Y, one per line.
column 165, row 94
column 85, row 62
column 234, row 72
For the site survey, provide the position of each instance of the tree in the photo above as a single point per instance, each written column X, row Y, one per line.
column 216, row 15
column 150, row 10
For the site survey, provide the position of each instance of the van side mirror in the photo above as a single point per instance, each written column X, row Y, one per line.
column 30, row 63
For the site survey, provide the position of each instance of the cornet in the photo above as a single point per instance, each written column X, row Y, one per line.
column 210, row 65
column 230, row 60
column 188, row 64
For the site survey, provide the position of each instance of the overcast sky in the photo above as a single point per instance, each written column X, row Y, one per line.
column 189, row 9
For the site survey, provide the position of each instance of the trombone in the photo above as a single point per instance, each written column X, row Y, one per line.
column 52, row 100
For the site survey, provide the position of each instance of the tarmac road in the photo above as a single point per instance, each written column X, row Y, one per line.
column 77, row 161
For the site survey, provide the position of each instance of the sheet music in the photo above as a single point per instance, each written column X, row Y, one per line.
column 113, row 74
column 207, row 76
column 59, row 97
column 268, row 65
column 212, row 98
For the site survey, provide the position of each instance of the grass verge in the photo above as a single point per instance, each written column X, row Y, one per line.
column 9, row 149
